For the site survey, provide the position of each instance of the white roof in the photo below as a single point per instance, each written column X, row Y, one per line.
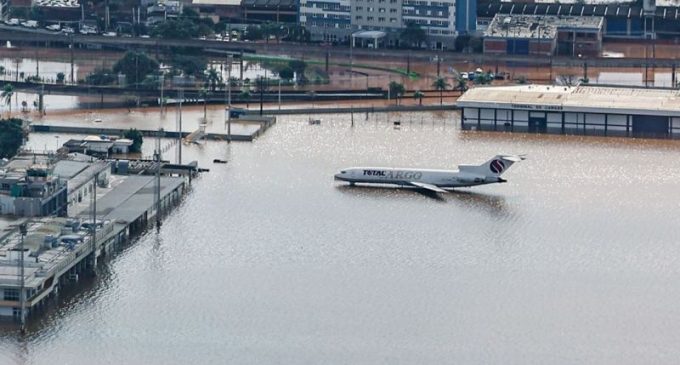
column 217, row 2
column 591, row 99
column 369, row 34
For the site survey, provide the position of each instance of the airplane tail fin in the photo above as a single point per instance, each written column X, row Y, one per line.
column 495, row 167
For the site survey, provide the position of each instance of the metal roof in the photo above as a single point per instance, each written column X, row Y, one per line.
column 591, row 99
column 131, row 198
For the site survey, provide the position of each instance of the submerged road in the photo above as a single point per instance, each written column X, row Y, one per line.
column 40, row 36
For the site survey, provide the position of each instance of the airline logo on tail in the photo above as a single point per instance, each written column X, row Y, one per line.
column 497, row 166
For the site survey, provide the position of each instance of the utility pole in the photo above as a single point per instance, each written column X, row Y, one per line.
column 228, row 116
column 72, row 74
column 161, row 80
column 157, row 185
column 179, row 127
column 93, row 227
column 22, row 284
column 279, row 93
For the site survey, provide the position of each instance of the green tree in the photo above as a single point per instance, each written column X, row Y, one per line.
column 212, row 78
column 298, row 33
column 11, row 137
column 461, row 84
column 483, row 79
column 441, row 85
column 60, row 78
column 253, row 33
column 189, row 65
column 180, row 28
column 6, row 95
column 419, row 96
column 245, row 94
column 413, row 34
column 137, row 139
column 268, row 30
column 100, row 77
column 298, row 66
column 396, row 91
column 136, row 66
column 462, row 42
column 286, row 73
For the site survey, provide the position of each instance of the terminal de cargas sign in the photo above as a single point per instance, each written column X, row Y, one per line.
column 537, row 107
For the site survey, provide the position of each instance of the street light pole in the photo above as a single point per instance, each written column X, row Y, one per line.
column 230, row 61
column 22, row 295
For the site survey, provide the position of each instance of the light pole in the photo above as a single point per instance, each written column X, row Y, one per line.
column 161, row 80
column 22, row 296
column 57, row 137
column 228, row 116
column 279, row 92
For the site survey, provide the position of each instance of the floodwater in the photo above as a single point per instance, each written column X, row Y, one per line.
column 269, row 261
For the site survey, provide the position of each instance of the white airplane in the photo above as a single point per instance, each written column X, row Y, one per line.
column 434, row 180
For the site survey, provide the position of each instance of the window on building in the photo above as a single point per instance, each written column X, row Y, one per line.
column 392, row 11
column 381, row 10
column 11, row 294
column 381, row 19
column 393, row 20
column 369, row 18
column 359, row 17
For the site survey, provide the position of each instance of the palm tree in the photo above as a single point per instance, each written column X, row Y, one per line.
column 212, row 78
column 396, row 90
column 6, row 95
column 245, row 94
column 461, row 84
column 203, row 94
column 441, row 85
column 419, row 95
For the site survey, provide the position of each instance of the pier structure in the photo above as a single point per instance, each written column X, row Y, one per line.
column 41, row 257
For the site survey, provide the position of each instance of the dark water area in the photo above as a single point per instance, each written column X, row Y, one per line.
column 270, row 261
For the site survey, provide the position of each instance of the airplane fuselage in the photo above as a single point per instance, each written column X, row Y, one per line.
column 406, row 177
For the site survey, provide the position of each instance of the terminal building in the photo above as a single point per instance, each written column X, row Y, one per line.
column 585, row 110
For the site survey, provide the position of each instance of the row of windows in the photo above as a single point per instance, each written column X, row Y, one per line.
column 439, row 23
column 379, row 1
column 425, row 3
column 372, row 9
column 328, row 25
column 371, row 18
column 329, row 6
column 422, row 13
column 326, row 16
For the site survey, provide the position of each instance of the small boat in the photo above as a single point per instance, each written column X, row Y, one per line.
column 97, row 120
column 217, row 160
column 314, row 121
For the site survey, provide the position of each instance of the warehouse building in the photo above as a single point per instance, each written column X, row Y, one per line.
column 544, row 35
column 586, row 110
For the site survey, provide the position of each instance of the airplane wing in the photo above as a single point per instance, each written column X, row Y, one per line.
column 429, row 187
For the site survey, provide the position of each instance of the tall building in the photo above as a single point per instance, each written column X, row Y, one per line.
column 327, row 20
column 466, row 16
column 336, row 20
column 437, row 18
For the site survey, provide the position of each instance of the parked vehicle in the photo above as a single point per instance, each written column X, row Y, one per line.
column 13, row 21
column 30, row 24
column 54, row 27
